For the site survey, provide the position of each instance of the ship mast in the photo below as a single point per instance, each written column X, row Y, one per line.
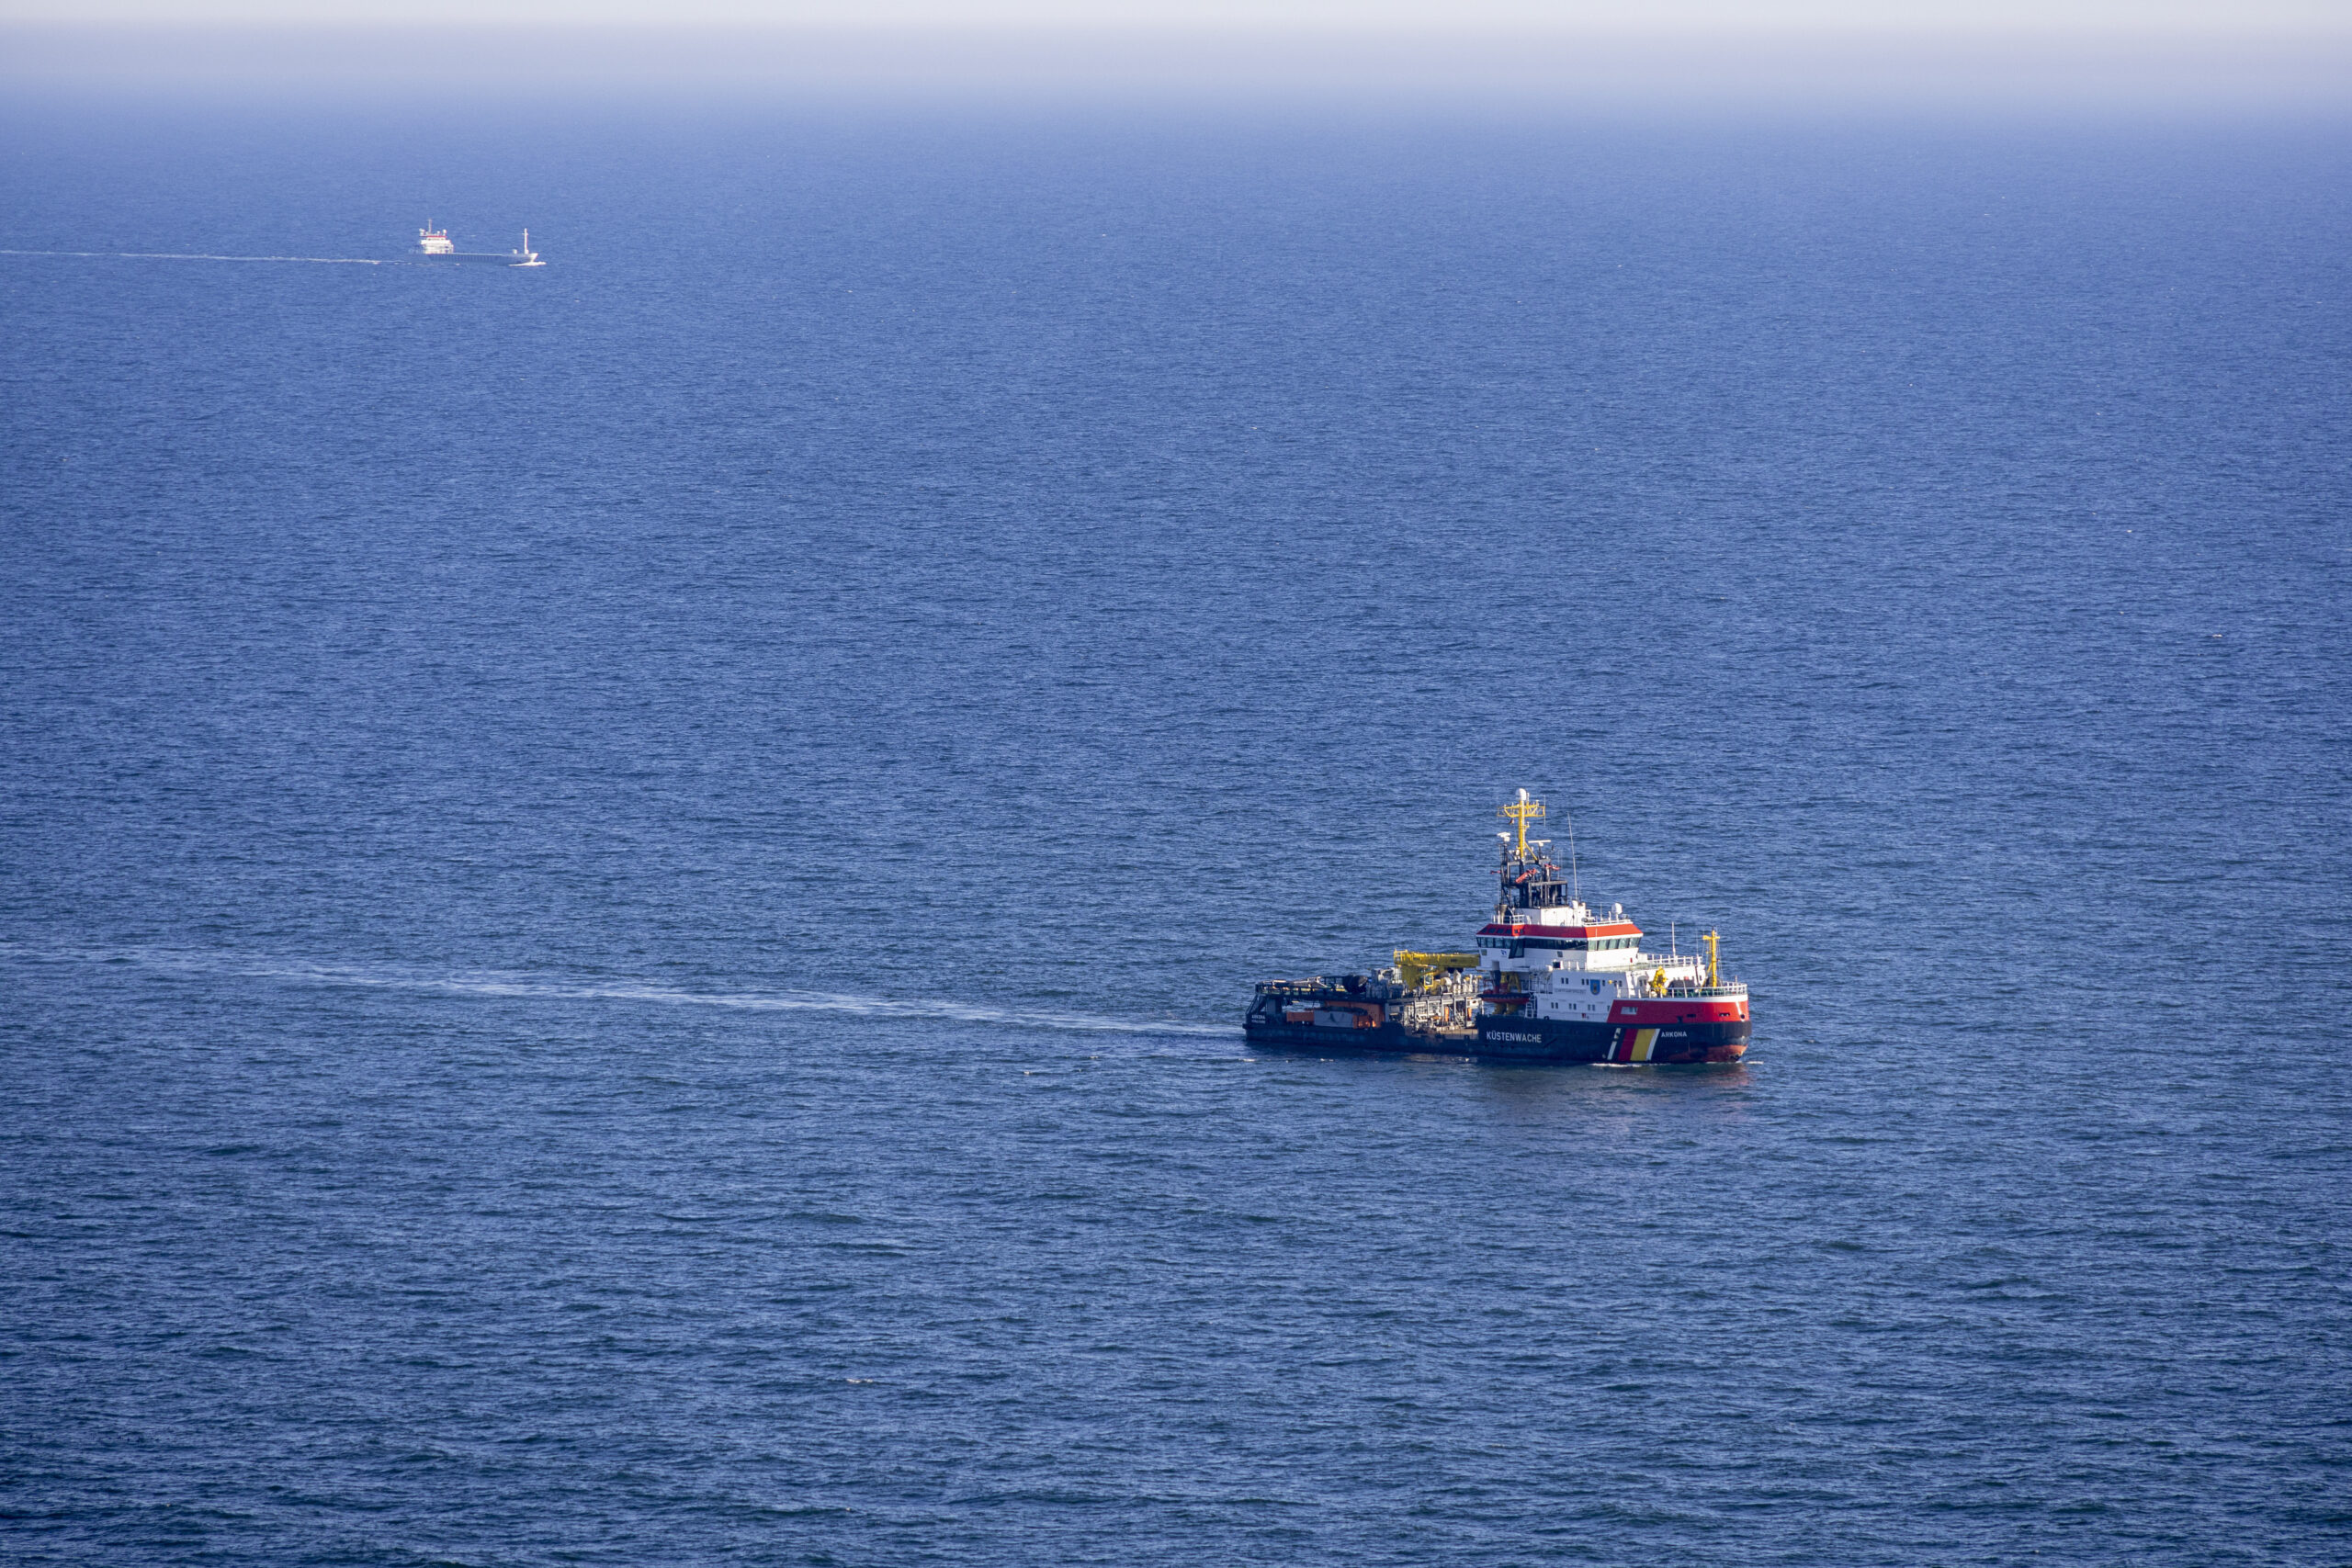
column 1522, row 811
column 1575, row 880
column 1516, row 871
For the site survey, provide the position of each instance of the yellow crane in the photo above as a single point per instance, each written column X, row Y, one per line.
column 1415, row 968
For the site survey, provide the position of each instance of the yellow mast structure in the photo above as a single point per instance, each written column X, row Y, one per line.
column 1715, row 955
column 1522, row 811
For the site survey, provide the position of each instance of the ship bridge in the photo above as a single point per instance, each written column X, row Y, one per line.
column 1575, row 941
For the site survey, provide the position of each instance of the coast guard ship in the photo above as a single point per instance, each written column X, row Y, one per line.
column 1553, row 980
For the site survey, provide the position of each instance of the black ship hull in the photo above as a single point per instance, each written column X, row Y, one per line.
column 1683, row 1043
column 1533, row 1042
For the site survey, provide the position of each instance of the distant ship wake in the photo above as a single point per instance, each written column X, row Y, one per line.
column 181, row 255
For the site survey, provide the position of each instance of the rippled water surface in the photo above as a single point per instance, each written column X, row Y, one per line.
column 625, row 889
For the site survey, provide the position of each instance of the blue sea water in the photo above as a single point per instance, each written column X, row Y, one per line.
column 625, row 889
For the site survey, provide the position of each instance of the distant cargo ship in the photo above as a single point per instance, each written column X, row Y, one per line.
column 432, row 242
column 1553, row 980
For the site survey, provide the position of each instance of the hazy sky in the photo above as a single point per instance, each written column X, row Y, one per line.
column 2256, row 56
column 1442, row 16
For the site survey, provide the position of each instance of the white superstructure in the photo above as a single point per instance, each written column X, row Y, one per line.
column 1548, row 954
column 1570, row 962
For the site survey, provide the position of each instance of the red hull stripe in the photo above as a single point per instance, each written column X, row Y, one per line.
column 1627, row 928
column 1652, row 1011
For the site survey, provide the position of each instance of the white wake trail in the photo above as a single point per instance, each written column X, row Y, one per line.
column 531, row 988
column 181, row 255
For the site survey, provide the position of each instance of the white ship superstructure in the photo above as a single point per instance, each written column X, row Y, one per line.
column 1568, row 961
